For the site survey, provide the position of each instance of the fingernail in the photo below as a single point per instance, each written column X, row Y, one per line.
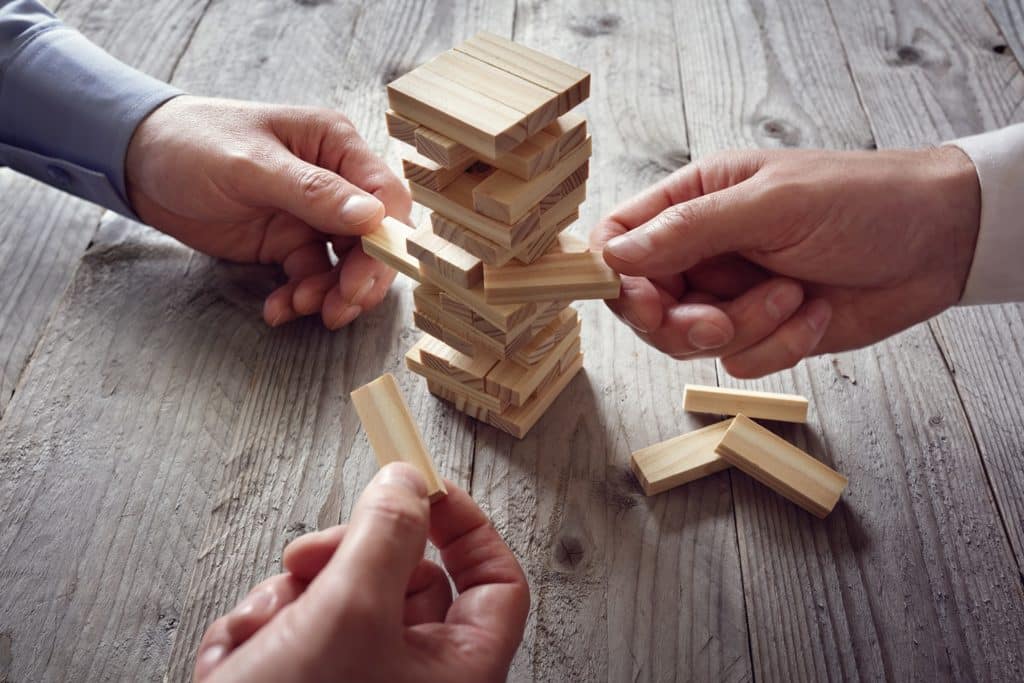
column 628, row 318
column 348, row 315
column 631, row 248
column 357, row 298
column 405, row 476
column 360, row 208
column 783, row 300
column 260, row 602
column 705, row 336
column 818, row 315
column 210, row 657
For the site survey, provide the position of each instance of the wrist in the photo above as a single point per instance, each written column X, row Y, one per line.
column 958, row 198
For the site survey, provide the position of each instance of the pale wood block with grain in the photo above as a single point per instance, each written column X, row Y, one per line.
column 401, row 128
column 547, row 338
column 759, row 405
column 450, row 261
column 515, row 383
column 432, row 319
column 572, row 85
column 553, row 242
column 388, row 244
column 393, row 434
column 538, row 105
column 507, row 198
column 503, row 316
column 468, row 369
column 414, row 361
column 428, row 173
column 781, row 466
column 679, row 460
column 486, row 126
column 441, row 149
column 562, row 276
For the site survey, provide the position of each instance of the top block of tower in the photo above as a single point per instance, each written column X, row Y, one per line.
column 489, row 94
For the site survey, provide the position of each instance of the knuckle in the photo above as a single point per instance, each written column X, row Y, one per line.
column 314, row 183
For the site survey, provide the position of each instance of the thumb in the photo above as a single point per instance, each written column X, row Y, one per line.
column 366, row 578
column 684, row 234
column 321, row 198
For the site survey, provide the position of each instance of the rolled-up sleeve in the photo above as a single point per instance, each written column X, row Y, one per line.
column 997, row 272
column 68, row 110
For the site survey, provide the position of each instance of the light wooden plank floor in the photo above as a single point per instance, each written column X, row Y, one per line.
column 159, row 445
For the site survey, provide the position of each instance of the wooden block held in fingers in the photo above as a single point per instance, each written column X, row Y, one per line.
column 420, row 169
column 392, row 433
column 401, row 128
column 506, row 198
column 760, row 405
column 448, row 260
column 572, row 85
column 486, row 126
column 561, row 276
column 679, row 460
column 781, row 466
column 538, row 105
column 387, row 244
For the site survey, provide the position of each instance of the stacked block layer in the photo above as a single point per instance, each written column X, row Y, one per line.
column 502, row 162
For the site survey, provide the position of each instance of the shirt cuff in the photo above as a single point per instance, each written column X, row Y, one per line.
column 68, row 111
column 996, row 274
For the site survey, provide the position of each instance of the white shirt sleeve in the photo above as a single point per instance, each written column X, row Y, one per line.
column 997, row 272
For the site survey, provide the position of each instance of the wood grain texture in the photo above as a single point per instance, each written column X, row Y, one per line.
column 1009, row 16
column 389, row 245
column 679, row 460
column 573, row 276
column 846, row 598
column 753, row 404
column 623, row 588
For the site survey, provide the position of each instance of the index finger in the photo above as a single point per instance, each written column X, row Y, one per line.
column 493, row 593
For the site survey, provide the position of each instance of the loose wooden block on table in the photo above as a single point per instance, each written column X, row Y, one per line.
column 572, row 85
column 564, row 276
column 393, row 435
column 539, row 106
column 486, row 126
column 449, row 260
column 388, row 244
column 781, row 466
column 754, row 404
column 506, row 198
column 680, row 460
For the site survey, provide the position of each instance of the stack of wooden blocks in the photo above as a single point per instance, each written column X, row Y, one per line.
column 502, row 162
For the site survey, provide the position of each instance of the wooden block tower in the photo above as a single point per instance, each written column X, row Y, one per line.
column 502, row 162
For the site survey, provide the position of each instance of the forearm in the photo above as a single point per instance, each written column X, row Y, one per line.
column 996, row 275
column 67, row 109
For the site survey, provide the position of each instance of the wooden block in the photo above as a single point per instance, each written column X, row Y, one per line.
column 387, row 244
column 449, row 260
column 505, row 317
column 467, row 369
column 553, row 242
column 392, row 433
column 427, row 324
column 680, row 460
column 455, row 202
column 572, row 85
column 432, row 319
column 781, row 466
column 441, row 149
column 540, row 152
column 414, row 361
column 486, row 126
column 563, row 276
column 538, row 105
column 754, row 404
column 507, row 198
column 460, row 402
column 515, row 383
column 419, row 169
column 401, row 128
column 544, row 340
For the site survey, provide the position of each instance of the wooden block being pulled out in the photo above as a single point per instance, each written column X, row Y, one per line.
column 759, row 405
column 781, row 466
column 680, row 460
column 393, row 435
column 388, row 244
column 552, row 276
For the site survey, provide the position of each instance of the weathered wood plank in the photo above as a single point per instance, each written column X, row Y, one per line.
column 44, row 232
column 298, row 459
column 624, row 588
column 844, row 598
column 1009, row 15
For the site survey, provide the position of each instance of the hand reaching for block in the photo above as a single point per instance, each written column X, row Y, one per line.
column 762, row 258
column 359, row 602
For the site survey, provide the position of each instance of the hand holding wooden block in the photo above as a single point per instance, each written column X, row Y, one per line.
column 392, row 433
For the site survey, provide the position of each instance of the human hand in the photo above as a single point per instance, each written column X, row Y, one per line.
column 765, row 257
column 360, row 602
column 261, row 183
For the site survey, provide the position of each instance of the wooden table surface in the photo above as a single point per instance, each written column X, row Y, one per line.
column 159, row 444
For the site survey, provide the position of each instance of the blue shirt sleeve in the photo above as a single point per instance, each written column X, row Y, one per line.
column 68, row 109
